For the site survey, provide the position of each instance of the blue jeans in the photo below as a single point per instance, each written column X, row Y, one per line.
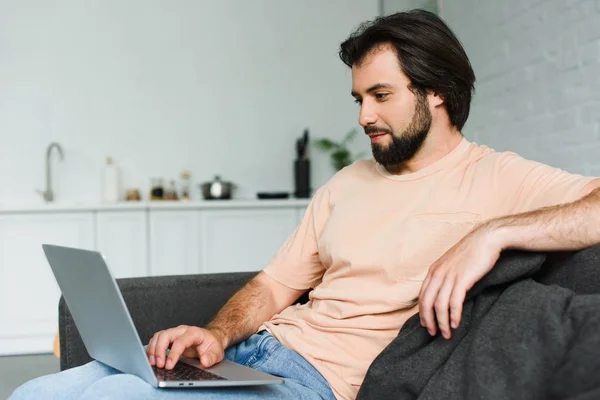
column 260, row 351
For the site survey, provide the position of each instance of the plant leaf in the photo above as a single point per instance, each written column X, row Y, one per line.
column 340, row 159
column 349, row 136
column 325, row 144
column 340, row 154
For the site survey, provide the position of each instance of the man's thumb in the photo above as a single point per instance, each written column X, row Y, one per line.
column 207, row 359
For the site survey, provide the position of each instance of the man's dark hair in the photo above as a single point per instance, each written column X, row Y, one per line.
column 429, row 54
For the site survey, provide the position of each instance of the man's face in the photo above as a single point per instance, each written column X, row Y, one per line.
column 396, row 119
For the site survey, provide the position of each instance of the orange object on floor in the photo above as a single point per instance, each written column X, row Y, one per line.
column 56, row 346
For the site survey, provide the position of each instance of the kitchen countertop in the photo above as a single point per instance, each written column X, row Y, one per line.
column 154, row 205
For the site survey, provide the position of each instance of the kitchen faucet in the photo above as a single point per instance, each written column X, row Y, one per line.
column 48, row 194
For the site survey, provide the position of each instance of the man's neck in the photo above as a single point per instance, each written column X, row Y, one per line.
column 435, row 147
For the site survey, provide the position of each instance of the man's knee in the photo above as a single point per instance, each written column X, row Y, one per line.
column 122, row 386
column 66, row 384
column 39, row 388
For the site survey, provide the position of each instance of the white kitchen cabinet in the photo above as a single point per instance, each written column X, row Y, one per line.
column 28, row 291
column 137, row 239
column 243, row 240
column 174, row 242
column 121, row 236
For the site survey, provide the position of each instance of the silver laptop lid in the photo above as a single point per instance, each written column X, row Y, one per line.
column 98, row 310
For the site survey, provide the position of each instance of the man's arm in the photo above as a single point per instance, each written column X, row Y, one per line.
column 240, row 317
column 570, row 226
column 255, row 303
column 296, row 264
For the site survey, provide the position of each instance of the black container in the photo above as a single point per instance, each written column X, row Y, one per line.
column 302, row 179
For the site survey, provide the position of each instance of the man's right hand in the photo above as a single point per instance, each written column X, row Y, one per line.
column 189, row 341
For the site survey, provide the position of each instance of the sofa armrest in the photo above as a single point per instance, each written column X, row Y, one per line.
column 157, row 303
column 575, row 270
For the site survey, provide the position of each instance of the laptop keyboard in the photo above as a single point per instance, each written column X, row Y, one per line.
column 185, row 372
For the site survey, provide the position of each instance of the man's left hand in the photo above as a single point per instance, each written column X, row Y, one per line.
column 452, row 275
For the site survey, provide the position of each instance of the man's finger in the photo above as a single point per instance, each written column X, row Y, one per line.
column 150, row 350
column 163, row 341
column 207, row 358
column 422, row 295
column 204, row 358
column 426, row 302
column 442, row 307
column 179, row 345
column 457, row 299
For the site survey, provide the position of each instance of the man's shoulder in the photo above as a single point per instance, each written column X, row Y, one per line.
column 356, row 170
column 350, row 177
column 484, row 156
column 506, row 165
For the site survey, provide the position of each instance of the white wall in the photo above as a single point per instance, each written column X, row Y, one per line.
column 215, row 87
column 538, row 77
column 392, row 6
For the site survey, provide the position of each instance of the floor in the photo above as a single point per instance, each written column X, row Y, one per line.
column 15, row 370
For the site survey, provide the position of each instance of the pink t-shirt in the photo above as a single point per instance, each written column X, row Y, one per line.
column 368, row 238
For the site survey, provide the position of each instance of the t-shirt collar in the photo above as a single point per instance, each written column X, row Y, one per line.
column 447, row 160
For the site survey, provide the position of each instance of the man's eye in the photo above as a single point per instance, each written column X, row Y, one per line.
column 358, row 101
column 381, row 96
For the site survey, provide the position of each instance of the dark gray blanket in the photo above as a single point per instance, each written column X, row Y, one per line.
column 521, row 337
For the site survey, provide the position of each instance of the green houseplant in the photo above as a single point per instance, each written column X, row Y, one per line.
column 340, row 154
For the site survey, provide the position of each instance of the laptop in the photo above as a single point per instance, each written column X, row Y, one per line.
column 109, row 334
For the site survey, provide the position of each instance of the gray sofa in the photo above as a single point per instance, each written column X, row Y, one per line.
column 157, row 303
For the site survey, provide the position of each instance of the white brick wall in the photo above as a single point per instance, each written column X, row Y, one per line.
column 537, row 64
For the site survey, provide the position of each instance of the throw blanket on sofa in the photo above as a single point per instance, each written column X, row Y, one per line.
column 519, row 338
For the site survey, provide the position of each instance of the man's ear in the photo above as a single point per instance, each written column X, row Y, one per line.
column 435, row 99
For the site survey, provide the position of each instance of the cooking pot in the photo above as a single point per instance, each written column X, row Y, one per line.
column 217, row 189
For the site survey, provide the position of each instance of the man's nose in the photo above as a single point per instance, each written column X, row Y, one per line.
column 367, row 115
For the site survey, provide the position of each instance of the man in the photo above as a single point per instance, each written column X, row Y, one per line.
column 410, row 231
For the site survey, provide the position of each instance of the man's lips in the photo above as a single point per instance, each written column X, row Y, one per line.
column 375, row 137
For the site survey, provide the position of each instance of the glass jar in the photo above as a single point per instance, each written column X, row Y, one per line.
column 185, row 185
column 157, row 189
column 171, row 192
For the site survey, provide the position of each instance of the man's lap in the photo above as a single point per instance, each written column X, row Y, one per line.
column 96, row 380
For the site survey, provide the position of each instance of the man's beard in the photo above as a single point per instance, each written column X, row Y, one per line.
column 404, row 148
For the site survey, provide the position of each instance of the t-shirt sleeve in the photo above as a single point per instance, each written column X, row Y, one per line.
column 297, row 264
column 529, row 185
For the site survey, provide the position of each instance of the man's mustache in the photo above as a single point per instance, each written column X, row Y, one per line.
column 370, row 130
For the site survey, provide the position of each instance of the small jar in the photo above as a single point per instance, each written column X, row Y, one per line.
column 133, row 195
column 185, row 185
column 171, row 192
column 157, row 191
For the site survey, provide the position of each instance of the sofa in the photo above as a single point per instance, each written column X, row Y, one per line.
column 157, row 303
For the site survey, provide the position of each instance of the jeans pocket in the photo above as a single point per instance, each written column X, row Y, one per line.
column 265, row 348
column 246, row 352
